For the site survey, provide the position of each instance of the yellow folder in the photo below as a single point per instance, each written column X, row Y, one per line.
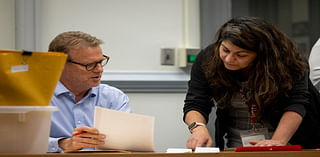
column 29, row 78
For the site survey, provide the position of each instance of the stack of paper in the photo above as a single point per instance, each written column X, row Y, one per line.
column 125, row 131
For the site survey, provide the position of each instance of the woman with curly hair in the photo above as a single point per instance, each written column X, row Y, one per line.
column 257, row 79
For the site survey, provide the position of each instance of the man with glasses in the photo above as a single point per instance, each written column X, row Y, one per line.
column 79, row 91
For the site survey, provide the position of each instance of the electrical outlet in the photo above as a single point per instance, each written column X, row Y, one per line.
column 167, row 56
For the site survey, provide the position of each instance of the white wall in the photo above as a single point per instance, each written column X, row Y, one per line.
column 134, row 31
column 7, row 24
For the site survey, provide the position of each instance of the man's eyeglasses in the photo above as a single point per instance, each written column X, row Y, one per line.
column 91, row 66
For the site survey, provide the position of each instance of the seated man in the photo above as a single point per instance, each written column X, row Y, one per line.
column 79, row 91
column 314, row 62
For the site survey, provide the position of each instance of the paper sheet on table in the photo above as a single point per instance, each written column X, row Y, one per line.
column 125, row 131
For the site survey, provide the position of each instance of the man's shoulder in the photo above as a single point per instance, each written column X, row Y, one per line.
column 112, row 98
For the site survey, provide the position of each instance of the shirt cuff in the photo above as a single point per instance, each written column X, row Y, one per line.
column 53, row 145
column 300, row 109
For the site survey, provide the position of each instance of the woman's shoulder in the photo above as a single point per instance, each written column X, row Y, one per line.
column 206, row 52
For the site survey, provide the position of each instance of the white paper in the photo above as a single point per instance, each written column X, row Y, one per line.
column 179, row 150
column 19, row 68
column 207, row 150
column 125, row 131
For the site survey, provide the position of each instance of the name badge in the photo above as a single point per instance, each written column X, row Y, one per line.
column 253, row 135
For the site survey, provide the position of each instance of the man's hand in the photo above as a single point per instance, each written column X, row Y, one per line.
column 200, row 135
column 82, row 137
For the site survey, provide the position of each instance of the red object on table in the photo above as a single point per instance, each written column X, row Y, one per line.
column 270, row 148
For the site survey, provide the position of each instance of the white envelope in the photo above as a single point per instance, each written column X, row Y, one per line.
column 125, row 131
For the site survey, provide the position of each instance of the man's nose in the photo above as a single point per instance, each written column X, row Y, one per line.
column 98, row 68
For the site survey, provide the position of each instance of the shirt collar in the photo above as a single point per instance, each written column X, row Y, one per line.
column 61, row 89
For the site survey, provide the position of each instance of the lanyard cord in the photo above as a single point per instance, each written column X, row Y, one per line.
column 251, row 106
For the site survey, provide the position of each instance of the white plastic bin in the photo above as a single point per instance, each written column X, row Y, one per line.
column 25, row 129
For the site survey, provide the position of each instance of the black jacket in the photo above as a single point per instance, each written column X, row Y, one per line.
column 303, row 99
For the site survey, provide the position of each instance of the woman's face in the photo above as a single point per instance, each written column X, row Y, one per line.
column 234, row 57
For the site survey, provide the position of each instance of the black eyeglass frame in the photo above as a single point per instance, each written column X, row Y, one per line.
column 91, row 66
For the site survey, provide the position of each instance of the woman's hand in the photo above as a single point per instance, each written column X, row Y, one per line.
column 289, row 123
column 200, row 136
column 82, row 137
column 267, row 143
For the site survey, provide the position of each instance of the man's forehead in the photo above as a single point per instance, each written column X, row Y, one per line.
column 86, row 52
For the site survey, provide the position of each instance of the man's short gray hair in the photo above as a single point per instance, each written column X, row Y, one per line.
column 73, row 39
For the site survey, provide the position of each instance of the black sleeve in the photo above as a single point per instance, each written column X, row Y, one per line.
column 198, row 96
column 298, row 97
column 307, row 134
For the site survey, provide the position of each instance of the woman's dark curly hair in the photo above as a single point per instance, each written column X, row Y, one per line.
column 277, row 65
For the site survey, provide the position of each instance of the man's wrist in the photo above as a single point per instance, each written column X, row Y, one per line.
column 62, row 143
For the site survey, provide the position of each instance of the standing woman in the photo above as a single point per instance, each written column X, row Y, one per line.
column 258, row 81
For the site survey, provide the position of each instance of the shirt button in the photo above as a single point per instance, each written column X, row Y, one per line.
column 70, row 94
column 79, row 122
